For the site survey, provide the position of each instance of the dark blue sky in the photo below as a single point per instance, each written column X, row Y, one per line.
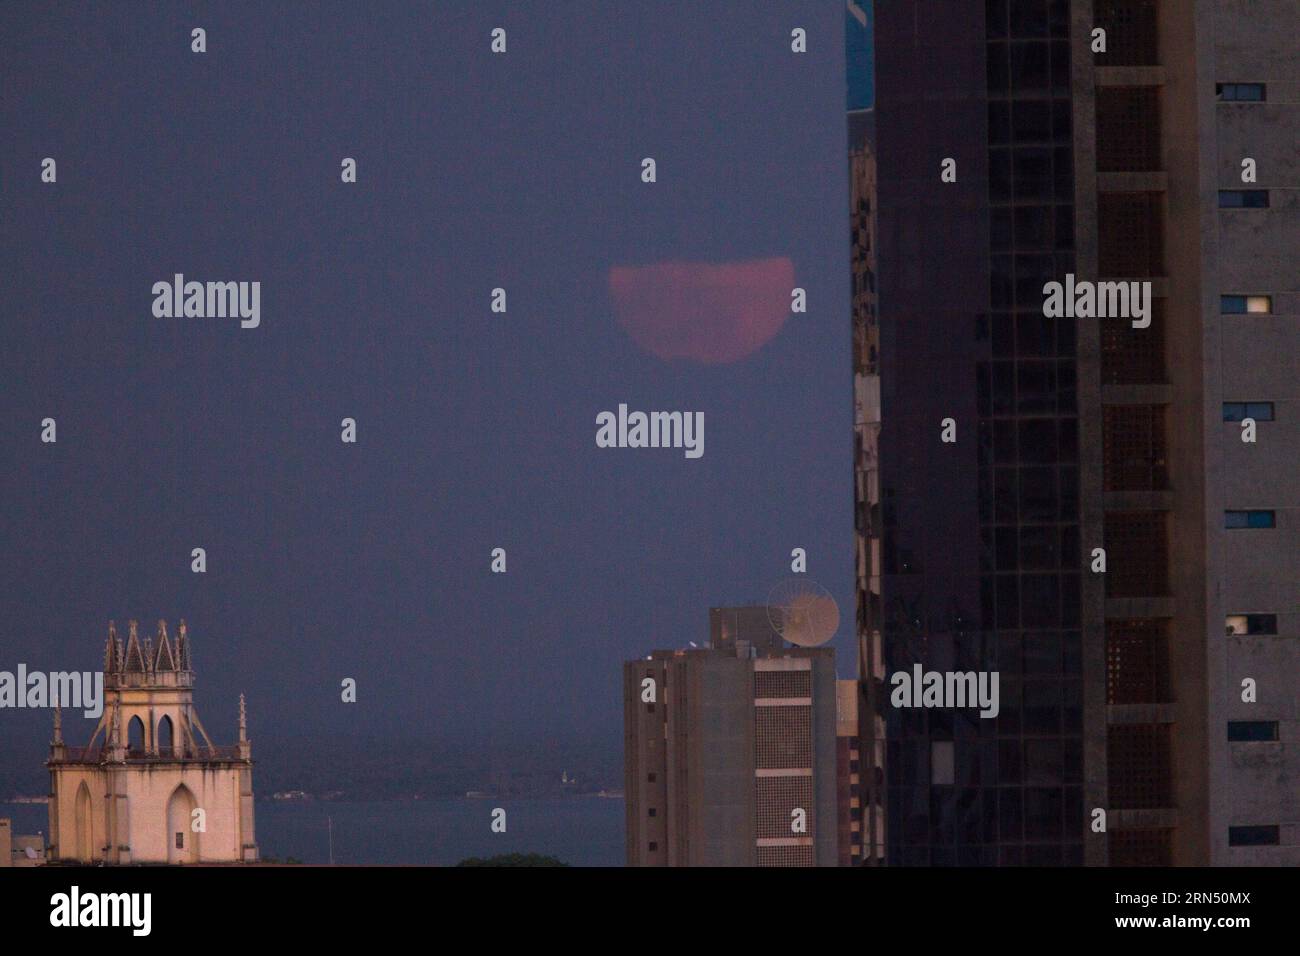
column 476, row 430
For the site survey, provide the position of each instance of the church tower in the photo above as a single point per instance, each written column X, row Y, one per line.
column 151, row 786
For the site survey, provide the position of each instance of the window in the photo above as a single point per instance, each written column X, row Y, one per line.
column 1139, row 758
column 1029, row 67
column 180, row 839
column 1131, row 226
column 941, row 763
column 654, row 812
column 1243, row 198
column 1239, row 411
column 1253, row 836
column 1240, row 731
column 650, row 778
column 653, row 846
column 1137, row 554
column 1128, row 128
column 1132, row 356
column 1240, row 92
column 1137, row 661
column 1241, row 304
column 1133, row 447
column 1252, row 623
column 1249, row 519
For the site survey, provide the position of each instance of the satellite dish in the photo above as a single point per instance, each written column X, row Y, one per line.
column 803, row 612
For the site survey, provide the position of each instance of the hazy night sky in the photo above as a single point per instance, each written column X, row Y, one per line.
column 475, row 430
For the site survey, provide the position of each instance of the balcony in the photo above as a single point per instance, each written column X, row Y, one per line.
column 1132, row 356
column 1137, row 554
column 1131, row 235
column 1133, row 441
column 1128, row 129
column 1131, row 32
column 1137, row 662
column 1140, row 769
column 98, row 754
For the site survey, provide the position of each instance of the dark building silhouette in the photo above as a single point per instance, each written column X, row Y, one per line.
column 1121, row 691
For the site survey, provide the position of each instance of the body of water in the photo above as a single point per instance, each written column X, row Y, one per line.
column 581, row 831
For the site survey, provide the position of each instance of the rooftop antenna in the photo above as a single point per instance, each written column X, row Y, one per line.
column 802, row 612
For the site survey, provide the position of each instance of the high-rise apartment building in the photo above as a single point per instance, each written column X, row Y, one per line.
column 976, row 513
column 1005, row 453
column 1196, row 108
column 730, row 751
column 860, row 72
column 849, row 772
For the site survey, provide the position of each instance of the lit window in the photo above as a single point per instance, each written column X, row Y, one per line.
column 1240, row 731
column 1241, row 304
column 1243, row 198
column 1238, row 411
column 1249, row 519
column 1252, row 623
column 1240, row 92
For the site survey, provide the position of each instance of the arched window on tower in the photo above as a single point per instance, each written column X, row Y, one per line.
column 84, row 847
column 135, row 737
column 164, row 736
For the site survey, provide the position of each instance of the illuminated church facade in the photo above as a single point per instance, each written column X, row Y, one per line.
column 150, row 786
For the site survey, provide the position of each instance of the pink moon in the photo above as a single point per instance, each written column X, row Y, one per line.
column 712, row 313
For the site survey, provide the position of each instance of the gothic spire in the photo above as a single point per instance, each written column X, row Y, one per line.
column 112, row 651
column 182, row 648
column 163, row 659
column 134, row 660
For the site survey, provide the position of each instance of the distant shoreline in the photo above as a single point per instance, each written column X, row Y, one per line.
column 299, row 797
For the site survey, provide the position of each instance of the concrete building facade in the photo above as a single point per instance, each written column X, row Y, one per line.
column 730, row 751
column 1196, row 119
